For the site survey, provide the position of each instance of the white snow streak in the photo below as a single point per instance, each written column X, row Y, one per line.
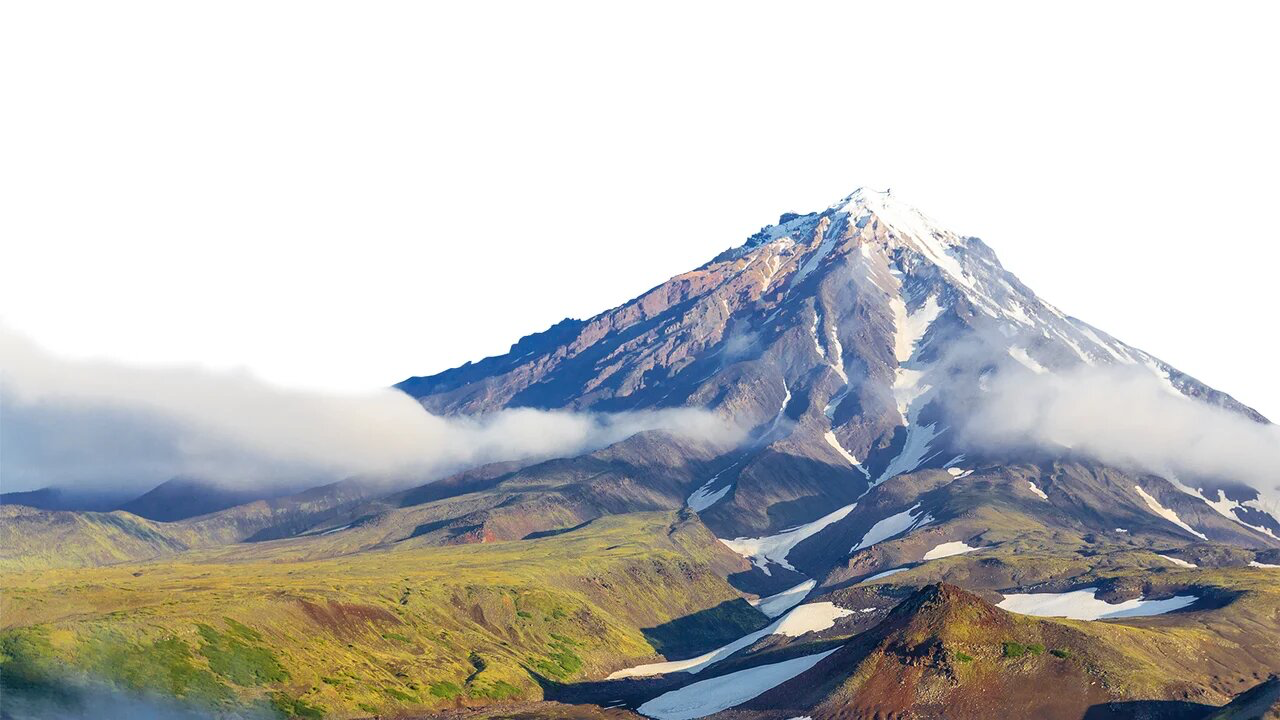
column 884, row 574
column 915, row 451
column 910, row 393
column 1021, row 356
column 775, row 605
column 1083, row 605
column 814, row 617
column 1225, row 507
column 1166, row 513
column 829, row 241
column 711, row 696
column 893, row 526
column 704, row 497
column 909, row 329
column 948, row 549
column 834, row 442
column 774, row 548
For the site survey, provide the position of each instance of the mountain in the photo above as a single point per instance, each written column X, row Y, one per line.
column 55, row 498
column 858, row 546
column 181, row 498
column 853, row 341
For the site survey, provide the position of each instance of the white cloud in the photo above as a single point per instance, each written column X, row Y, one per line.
column 1125, row 416
column 103, row 424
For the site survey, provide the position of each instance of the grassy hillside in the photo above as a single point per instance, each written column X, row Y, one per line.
column 380, row 632
column 33, row 539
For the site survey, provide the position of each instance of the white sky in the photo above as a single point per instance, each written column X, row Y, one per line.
column 340, row 195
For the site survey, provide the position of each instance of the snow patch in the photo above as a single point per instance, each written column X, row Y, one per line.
column 909, row 329
column 811, row 617
column 834, row 442
column 775, row 605
column 893, row 526
column 829, row 241
column 1166, row 382
column 908, row 386
column 814, row 617
column 948, row 549
column 721, row 693
column 837, row 356
column 1178, row 561
column 774, row 548
column 1037, row 491
column 1021, row 356
column 1166, row 513
column 830, row 410
column 1256, row 564
column 915, row 451
column 704, row 497
column 817, row 344
column 782, row 413
column 1225, row 507
column 884, row 574
column 1089, row 333
column 1083, row 605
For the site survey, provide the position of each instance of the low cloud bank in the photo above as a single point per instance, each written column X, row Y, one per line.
column 1128, row 417
column 100, row 425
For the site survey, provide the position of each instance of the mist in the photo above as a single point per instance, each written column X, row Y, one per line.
column 97, row 425
column 77, row 699
column 1128, row 417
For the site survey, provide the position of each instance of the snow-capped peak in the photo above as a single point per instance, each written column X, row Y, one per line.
column 896, row 214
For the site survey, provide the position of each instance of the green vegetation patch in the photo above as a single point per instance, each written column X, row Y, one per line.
column 292, row 707
column 1061, row 653
column 28, row 662
column 26, row 657
column 962, row 657
column 400, row 695
column 561, row 661
column 445, row 689
column 1017, row 650
column 237, row 661
column 242, row 631
column 167, row 665
column 496, row 690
